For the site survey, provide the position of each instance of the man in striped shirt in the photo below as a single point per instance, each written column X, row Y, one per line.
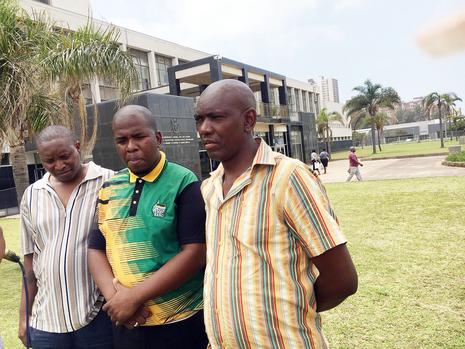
column 276, row 256
column 57, row 213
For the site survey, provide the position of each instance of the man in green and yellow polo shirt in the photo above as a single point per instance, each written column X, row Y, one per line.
column 147, row 252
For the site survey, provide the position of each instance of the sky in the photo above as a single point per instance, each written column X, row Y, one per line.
column 349, row 40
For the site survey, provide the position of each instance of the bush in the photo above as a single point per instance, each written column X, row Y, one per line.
column 459, row 157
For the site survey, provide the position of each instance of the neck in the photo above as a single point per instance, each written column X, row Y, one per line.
column 237, row 165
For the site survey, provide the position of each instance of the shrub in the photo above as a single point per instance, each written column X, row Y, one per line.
column 459, row 157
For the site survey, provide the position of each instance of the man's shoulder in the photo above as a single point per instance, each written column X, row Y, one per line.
column 176, row 172
column 118, row 177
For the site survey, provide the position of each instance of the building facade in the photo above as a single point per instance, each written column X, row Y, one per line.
column 286, row 107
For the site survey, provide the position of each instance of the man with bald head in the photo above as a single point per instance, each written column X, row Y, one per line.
column 57, row 213
column 147, row 253
column 276, row 256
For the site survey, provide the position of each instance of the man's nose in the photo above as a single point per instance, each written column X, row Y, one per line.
column 131, row 145
column 204, row 126
column 59, row 165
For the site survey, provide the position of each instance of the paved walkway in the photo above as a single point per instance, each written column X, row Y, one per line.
column 393, row 169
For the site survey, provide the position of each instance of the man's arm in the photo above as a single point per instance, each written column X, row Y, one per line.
column 103, row 276
column 101, row 272
column 177, row 271
column 31, row 284
column 337, row 279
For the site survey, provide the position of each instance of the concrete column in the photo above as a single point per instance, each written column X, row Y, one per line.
column 152, row 70
column 265, row 89
column 294, row 99
column 283, row 94
column 308, row 101
column 175, row 61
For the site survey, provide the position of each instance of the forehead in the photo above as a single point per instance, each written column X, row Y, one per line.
column 219, row 100
column 132, row 121
column 55, row 146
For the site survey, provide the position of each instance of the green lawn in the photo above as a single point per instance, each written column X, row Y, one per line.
column 393, row 149
column 406, row 238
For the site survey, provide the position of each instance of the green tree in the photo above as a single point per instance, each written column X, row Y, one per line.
column 26, row 104
column 442, row 103
column 323, row 120
column 366, row 104
column 380, row 119
column 79, row 58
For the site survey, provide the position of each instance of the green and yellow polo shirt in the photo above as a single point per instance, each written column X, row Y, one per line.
column 142, row 223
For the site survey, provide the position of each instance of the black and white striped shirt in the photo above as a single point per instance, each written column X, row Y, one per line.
column 67, row 298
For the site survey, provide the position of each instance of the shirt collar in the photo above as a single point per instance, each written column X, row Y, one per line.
column 264, row 156
column 152, row 175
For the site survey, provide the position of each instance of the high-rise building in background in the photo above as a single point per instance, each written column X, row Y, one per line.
column 329, row 89
column 329, row 94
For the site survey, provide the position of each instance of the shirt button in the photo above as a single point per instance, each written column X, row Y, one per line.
column 137, row 191
column 140, row 180
column 134, row 202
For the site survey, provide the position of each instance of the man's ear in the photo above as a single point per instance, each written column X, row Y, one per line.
column 250, row 119
column 77, row 145
column 159, row 137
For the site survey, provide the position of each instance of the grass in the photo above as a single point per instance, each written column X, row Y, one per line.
column 398, row 149
column 459, row 157
column 406, row 238
column 10, row 287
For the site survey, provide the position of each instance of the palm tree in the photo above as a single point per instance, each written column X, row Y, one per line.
column 371, row 97
column 440, row 102
column 380, row 119
column 322, row 125
column 79, row 58
column 26, row 104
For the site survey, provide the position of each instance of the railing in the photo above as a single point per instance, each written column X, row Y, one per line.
column 273, row 111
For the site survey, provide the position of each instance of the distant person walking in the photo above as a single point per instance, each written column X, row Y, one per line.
column 353, row 165
column 314, row 161
column 324, row 158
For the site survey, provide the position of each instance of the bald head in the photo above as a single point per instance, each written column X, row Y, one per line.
column 54, row 132
column 235, row 91
column 133, row 109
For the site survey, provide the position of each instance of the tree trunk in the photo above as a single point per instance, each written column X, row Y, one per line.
column 441, row 136
column 373, row 136
column 379, row 141
column 20, row 172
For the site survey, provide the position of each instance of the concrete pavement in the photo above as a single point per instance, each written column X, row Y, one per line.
column 393, row 169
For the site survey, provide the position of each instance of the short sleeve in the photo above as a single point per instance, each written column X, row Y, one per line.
column 27, row 232
column 96, row 239
column 309, row 215
column 191, row 215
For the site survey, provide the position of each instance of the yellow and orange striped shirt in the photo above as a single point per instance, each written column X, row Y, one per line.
column 258, row 289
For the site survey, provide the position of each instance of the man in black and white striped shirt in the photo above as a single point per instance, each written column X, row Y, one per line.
column 57, row 213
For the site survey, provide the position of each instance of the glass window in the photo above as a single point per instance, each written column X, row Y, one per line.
column 296, row 145
column 142, row 65
column 163, row 63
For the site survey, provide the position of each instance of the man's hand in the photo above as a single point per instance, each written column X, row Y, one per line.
column 122, row 305
column 360, row 164
column 139, row 318
column 22, row 332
